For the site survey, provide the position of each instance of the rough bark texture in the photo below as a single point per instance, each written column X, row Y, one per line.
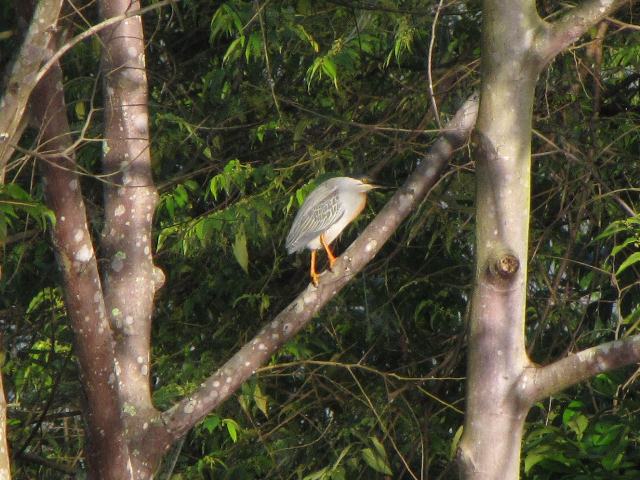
column 128, row 436
column 516, row 45
column 112, row 321
column 502, row 144
column 23, row 77
column 218, row 387
column 107, row 452
column 130, row 197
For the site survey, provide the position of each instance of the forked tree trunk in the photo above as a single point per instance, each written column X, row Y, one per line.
column 112, row 321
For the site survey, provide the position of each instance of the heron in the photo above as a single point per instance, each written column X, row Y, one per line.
column 324, row 214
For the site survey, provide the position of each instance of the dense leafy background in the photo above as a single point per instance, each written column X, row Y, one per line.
column 252, row 102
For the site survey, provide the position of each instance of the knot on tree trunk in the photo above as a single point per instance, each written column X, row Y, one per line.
column 502, row 267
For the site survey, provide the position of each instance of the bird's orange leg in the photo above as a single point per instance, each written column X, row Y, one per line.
column 314, row 274
column 332, row 258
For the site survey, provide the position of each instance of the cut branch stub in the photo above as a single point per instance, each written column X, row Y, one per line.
column 504, row 265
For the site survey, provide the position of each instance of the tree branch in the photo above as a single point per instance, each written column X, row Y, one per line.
column 574, row 24
column 540, row 382
column 45, row 462
column 96, row 29
column 23, row 76
column 219, row 386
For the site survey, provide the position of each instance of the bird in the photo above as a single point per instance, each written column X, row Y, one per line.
column 324, row 214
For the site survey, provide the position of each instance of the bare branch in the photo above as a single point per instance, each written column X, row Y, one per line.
column 574, row 24
column 58, row 467
column 219, row 386
column 96, row 29
column 538, row 383
column 23, row 76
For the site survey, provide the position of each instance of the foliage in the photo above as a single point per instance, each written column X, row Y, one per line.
column 252, row 101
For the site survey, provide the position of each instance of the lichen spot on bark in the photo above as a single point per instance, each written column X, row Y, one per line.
column 310, row 296
column 371, row 245
column 129, row 409
column 140, row 123
column 190, row 406
column 83, row 254
column 119, row 210
column 116, row 263
column 604, row 5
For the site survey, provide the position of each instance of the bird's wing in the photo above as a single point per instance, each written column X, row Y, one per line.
column 320, row 210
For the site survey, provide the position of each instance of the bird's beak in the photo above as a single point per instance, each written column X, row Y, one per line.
column 378, row 185
column 369, row 184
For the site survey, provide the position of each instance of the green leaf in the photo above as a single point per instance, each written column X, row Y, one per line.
column 261, row 400
column 232, row 428
column 329, row 67
column 377, row 458
column 535, row 456
column 322, row 474
column 574, row 419
column 80, row 110
column 211, row 422
column 631, row 260
column 305, row 36
column 455, row 441
column 378, row 446
column 254, row 47
column 240, row 250
column 234, row 48
column 624, row 244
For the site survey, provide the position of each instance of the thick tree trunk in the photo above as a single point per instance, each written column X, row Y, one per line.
column 516, row 45
column 130, row 197
column 112, row 321
column 490, row 447
column 107, row 450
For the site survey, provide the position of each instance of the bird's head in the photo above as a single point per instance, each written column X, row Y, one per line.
column 365, row 183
